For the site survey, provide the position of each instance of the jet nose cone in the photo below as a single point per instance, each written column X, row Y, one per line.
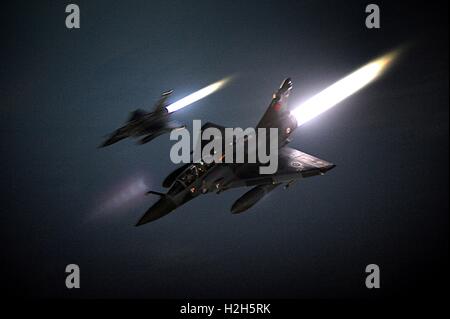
column 161, row 208
column 110, row 141
column 105, row 143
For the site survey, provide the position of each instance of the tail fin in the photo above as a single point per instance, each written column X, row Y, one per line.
column 278, row 106
column 161, row 104
column 278, row 115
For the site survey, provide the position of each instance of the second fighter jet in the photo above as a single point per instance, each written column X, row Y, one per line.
column 147, row 124
column 153, row 124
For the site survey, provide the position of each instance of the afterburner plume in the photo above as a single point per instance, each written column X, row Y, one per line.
column 342, row 89
column 198, row 95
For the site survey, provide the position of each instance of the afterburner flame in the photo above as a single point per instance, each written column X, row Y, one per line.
column 342, row 89
column 198, row 95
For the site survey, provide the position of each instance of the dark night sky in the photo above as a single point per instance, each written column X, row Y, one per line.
column 386, row 202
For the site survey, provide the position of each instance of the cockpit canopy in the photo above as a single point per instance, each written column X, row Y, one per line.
column 189, row 176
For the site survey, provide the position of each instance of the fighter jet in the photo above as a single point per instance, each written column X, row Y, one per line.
column 147, row 124
column 197, row 178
